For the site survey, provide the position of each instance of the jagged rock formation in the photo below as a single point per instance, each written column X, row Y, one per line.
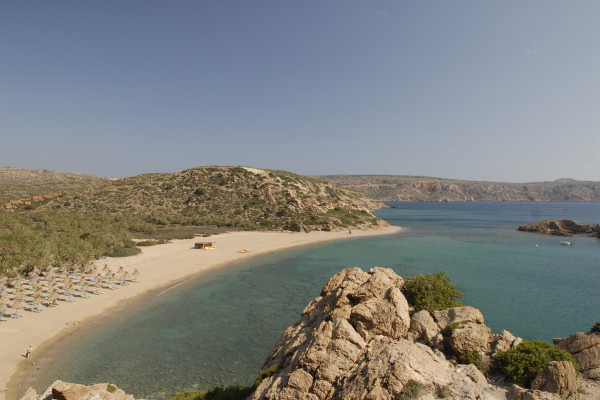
column 585, row 348
column 424, row 188
column 60, row 390
column 358, row 340
column 561, row 227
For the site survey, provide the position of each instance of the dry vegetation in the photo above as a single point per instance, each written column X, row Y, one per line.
column 17, row 183
column 87, row 221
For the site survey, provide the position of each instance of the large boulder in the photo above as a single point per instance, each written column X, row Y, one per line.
column 503, row 341
column 470, row 336
column 352, row 342
column 558, row 377
column 456, row 315
column 424, row 327
column 585, row 348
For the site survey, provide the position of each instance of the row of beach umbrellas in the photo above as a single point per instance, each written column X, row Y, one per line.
column 46, row 287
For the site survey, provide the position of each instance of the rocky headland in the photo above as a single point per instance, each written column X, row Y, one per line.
column 426, row 188
column 562, row 227
column 361, row 339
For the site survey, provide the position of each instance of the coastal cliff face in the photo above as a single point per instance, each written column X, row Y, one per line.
column 423, row 188
column 562, row 227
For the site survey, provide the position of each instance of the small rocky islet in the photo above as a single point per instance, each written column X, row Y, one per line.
column 361, row 339
column 562, row 227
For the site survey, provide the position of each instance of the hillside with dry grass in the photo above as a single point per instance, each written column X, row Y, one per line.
column 19, row 183
column 100, row 217
column 233, row 197
column 423, row 188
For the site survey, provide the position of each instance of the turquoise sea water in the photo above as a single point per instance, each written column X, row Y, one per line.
column 218, row 330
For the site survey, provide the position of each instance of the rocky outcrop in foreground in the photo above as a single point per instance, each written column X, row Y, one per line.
column 561, row 227
column 585, row 348
column 60, row 390
column 361, row 340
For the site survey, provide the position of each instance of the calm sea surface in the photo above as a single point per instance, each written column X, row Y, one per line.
column 218, row 330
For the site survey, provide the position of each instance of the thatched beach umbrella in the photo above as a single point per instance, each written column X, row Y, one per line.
column 126, row 276
column 38, row 299
column 16, row 305
column 67, row 289
column 49, row 274
column 106, row 268
column 136, row 273
column 21, row 296
column 15, row 283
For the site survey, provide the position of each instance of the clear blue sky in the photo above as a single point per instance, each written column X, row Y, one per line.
column 483, row 90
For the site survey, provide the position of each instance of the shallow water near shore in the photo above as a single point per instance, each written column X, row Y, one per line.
column 218, row 330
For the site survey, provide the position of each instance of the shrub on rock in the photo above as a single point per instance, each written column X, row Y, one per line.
column 527, row 360
column 431, row 292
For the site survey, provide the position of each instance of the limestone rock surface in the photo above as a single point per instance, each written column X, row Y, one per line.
column 60, row 390
column 558, row 377
column 358, row 341
column 585, row 348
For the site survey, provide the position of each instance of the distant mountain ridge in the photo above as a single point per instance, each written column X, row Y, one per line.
column 423, row 188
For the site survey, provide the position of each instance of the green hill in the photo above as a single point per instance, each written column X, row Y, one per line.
column 100, row 217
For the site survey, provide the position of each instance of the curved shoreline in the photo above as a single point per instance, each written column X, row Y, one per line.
column 162, row 266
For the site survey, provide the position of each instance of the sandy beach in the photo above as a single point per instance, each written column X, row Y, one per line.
column 159, row 266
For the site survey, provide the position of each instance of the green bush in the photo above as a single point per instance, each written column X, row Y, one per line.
column 228, row 393
column 411, row 390
column 124, row 251
column 473, row 357
column 145, row 243
column 431, row 292
column 191, row 395
column 443, row 392
column 111, row 388
column 595, row 328
column 525, row 362
column 217, row 393
column 265, row 373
